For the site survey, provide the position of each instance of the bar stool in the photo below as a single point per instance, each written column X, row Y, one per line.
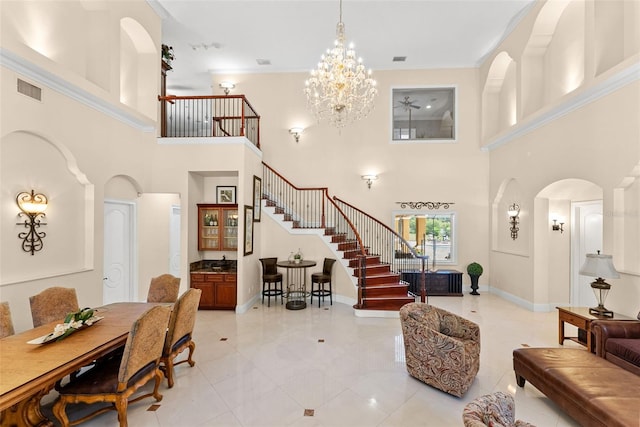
column 321, row 279
column 270, row 276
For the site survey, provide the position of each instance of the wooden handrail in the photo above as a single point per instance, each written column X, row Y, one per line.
column 413, row 252
column 293, row 185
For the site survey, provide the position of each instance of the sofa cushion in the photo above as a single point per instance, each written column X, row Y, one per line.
column 625, row 348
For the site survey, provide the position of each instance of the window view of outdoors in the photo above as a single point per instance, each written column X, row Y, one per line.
column 428, row 234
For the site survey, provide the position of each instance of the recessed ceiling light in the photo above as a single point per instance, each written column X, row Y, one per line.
column 428, row 107
column 263, row 61
column 399, row 58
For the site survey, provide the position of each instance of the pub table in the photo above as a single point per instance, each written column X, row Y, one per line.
column 296, row 282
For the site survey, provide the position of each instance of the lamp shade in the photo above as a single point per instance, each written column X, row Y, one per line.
column 597, row 265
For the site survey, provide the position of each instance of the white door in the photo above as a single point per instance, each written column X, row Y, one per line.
column 586, row 239
column 118, row 282
column 174, row 241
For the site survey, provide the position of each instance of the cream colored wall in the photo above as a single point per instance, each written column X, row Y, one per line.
column 89, row 146
column 407, row 172
column 585, row 127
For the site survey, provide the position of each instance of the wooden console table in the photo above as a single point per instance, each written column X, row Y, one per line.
column 580, row 317
column 437, row 283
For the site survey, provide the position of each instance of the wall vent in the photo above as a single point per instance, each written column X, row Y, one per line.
column 30, row 90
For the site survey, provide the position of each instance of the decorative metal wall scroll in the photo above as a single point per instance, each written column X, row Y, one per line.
column 428, row 205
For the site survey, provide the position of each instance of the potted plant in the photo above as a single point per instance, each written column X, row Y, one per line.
column 167, row 54
column 474, row 270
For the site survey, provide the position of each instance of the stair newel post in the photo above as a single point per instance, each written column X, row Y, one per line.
column 363, row 280
column 423, row 290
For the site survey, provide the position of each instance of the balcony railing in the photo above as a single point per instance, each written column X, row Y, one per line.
column 208, row 116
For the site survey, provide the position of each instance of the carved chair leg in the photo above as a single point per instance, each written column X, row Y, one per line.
column 192, row 348
column 156, row 394
column 121, row 404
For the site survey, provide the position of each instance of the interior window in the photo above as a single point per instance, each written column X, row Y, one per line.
column 424, row 114
column 429, row 233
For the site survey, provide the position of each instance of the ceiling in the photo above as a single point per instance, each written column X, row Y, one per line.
column 222, row 37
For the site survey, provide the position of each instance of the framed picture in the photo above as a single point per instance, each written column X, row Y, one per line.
column 248, row 230
column 424, row 114
column 226, row 194
column 257, row 197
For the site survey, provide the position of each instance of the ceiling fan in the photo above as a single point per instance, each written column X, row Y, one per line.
column 407, row 104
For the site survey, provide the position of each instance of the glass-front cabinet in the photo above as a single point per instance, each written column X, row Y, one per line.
column 217, row 227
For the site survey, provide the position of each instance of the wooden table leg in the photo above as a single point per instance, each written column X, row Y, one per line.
column 27, row 412
column 560, row 330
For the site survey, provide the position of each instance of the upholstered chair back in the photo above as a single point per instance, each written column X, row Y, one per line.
column 6, row 323
column 144, row 343
column 53, row 304
column 164, row 288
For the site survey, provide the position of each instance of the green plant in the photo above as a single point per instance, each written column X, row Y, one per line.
column 474, row 269
column 167, row 53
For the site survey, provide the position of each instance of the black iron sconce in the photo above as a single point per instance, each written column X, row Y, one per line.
column 557, row 227
column 32, row 206
column 513, row 212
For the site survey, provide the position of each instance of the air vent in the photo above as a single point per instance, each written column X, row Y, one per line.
column 263, row 61
column 399, row 58
column 30, row 90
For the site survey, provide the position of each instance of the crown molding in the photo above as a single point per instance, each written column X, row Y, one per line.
column 38, row 74
column 587, row 96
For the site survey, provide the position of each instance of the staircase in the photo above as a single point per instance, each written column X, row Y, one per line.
column 356, row 235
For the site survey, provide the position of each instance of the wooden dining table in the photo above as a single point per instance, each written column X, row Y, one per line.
column 29, row 371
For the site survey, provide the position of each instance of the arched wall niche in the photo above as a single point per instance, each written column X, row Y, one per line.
column 52, row 28
column 29, row 160
column 138, row 64
column 616, row 33
column 626, row 231
column 536, row 87
column 499, row 96
column 122, row 187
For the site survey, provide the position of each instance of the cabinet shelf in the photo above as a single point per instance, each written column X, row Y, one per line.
column 217, row 227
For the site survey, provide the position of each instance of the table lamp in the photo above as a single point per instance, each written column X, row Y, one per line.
column 601, row 267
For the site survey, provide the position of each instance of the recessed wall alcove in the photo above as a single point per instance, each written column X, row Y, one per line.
column 32, row 161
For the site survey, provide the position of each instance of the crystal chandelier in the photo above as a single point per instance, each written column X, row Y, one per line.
column 340, row 89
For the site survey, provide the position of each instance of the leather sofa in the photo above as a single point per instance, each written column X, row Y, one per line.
column 619, row 343
column 592, row 389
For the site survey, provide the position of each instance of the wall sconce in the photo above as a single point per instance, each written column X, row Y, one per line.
column 557, row 227
column 227, row 86
column 369, row 179
column 32, row 206
column 296, row 132
column 513, row 212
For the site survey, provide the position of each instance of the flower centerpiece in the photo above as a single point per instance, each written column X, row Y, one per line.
column 73, row 322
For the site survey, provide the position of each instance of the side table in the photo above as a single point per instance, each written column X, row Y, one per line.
column 581, row 318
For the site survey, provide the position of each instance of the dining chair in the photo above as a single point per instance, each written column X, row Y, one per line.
column 164, row 288
column 6, row 323
column 271, row 276
column 117, row 379
column 52, row 304
column 321, row 279
column 179, row 334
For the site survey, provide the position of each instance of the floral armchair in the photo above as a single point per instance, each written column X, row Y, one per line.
column 495, row 410
column 442, row 349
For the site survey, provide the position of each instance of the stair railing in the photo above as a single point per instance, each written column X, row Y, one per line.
column 209, row 116
column 381, row 240
column 312, row 207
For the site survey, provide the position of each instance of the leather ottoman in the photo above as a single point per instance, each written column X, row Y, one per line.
column 590, row 389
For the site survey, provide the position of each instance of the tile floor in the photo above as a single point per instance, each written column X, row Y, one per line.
column 327, row 367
